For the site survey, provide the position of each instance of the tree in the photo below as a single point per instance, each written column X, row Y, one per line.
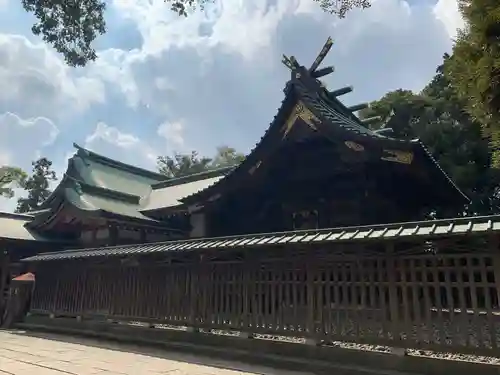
column 37, row 186
column 438, row 118
column 226, row 157
column 10, row 177
column 72, row 26
column 474, row 67
column 180, row 165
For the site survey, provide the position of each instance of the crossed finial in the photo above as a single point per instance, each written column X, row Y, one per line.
column 291, row 63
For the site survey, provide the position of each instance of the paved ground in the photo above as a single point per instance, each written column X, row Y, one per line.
column 44, row 354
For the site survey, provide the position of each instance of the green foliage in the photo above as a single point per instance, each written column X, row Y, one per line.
column 341, row 7
column 10, row 177
column 438, row 118
column 185, row 164
column 182, row 164
column 37, row 186
column 69, row 26
column 226, row 157
column 72, row 26
column 474, row 67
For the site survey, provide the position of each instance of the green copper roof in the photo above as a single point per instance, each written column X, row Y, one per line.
column 413, row 230
column 13, row 226
column 96, row 202
column 169, row 193
column 99, row 171
column 100, row 186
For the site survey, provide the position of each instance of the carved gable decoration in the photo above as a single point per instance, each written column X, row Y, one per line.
column 398, row 156
column 302, row 112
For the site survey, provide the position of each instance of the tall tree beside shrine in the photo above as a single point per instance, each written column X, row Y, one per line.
column 37, row 186
column 71, row 27
column 474, row 68
column 10, row 177
column 438, row 118
column 180, row 165
column 226, row 157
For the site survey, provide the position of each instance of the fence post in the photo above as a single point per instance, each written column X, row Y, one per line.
column 55, row 298
column 246, row 269
column 311, row 271
column 393, row 293
column 495, row 255
column 195, row 291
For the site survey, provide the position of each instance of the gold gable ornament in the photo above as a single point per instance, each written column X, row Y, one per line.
column 302, row 112
column 255, row 167
column 354, row 146
column 398, row 156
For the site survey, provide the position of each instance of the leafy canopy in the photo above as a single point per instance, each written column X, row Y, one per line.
column 37, row 186
column 71, row 26
column 474, row 67
column 438, row 118
column 180, row 165
column 9, row 178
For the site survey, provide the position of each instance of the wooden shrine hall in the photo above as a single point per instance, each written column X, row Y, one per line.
column 323, row 215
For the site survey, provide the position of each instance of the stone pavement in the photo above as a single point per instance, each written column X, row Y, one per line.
column 46, row 354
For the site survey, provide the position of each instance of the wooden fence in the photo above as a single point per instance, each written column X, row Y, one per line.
column 440, row 295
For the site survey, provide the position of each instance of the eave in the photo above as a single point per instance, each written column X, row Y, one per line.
column 261, row 152
column 420, row 231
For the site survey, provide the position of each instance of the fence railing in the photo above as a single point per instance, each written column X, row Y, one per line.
column 442, row 296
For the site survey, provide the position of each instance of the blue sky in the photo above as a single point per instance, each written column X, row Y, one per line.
column 164, row 83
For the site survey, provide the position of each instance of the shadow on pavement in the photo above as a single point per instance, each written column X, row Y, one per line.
column 152, row 351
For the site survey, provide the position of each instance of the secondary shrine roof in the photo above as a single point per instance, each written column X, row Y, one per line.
column 96, row 185
column 412, row 230
column 12, row 227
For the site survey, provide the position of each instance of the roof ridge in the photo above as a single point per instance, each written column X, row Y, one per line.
column 105, row 192
column 193, row 177
column 15, row 215
column 118, row 164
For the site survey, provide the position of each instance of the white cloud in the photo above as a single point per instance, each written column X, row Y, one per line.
column 448, row 13
column 112, row 135
column 36, row 82
column 3, row 5
column 126, row 147
column 5, row 157
column 23, row 139
column 15, row 129
column 172, row 132
column 22, row 142
column 216, row 75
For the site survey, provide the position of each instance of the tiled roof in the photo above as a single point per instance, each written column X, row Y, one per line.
column 169, row 194
column 422, row 229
